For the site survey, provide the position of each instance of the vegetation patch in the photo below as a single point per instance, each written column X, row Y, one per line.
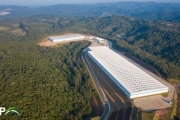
column 15, row 25
column 18, row 32
column 96, row 118
column 147, row 115
column 165, row 94
column 174, row 81
column 3, row 28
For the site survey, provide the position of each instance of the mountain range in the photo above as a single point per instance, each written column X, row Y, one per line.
column 144, row 10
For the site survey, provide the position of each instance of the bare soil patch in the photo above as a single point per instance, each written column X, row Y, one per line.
column 108, row 28
column 18, row 32
column 4, row 28
column 46, row 42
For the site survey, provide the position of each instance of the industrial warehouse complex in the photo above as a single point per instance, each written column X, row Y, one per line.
column 131, row 79
column 63, row 38
column 119, row 79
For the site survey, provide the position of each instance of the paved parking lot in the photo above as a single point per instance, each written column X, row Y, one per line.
column 156, row 101
column 150, row 103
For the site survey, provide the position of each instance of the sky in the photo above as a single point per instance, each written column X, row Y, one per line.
column 54, row 2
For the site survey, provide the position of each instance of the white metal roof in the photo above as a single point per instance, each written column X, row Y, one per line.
column 99, row 39
column 132, row 78
column 66, row 36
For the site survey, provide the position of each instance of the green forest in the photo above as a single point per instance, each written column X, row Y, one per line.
column 53, row 82
column 45, row 83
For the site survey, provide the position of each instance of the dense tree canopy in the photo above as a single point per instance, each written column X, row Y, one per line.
column 45, row 83
column 52, row 82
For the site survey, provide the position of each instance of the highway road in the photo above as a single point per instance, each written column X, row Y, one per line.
column 98, row 86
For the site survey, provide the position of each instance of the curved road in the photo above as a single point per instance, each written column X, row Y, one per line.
column 101, row 93
column 106, row 112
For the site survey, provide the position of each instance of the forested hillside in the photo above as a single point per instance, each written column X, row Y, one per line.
column 145, row 10
column 45, row 83
column 53, row 82
column 155, row 42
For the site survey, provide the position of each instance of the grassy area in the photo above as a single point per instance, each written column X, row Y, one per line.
column 15, row 25
column 174, row 81
column 174, row 111
column 147, row 115
column 163, row 114
column 3, row 28
column 165, row 94
column 155, row 117
column 18, row 32
column 96, row 118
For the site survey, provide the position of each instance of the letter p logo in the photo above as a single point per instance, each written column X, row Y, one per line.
column 2, row 109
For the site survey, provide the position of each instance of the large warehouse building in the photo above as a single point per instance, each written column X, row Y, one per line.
column 70, row 37
column 131, row 79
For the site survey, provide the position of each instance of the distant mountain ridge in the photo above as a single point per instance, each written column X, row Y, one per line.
column 144, row 10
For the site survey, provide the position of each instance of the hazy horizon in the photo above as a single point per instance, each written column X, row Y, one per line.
column 54, row 2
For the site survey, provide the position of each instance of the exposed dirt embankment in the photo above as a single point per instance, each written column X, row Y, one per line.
column 46, row 42
column 97, row 106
